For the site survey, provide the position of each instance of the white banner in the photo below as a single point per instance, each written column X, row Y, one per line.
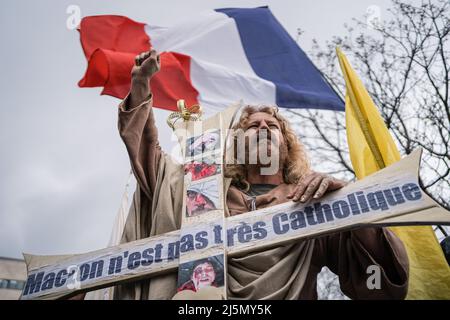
column 391, row 196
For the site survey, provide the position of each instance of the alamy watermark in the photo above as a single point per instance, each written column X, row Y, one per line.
column 74, row 18
column 374, row 279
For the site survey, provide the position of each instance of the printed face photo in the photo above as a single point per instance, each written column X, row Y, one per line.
column 206, row 142
column 203, row 168
column 197, row 274
column 202, row 197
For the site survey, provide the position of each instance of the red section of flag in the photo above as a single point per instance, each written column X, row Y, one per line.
column 115, row 33
column 110, row 44
column 173, row 82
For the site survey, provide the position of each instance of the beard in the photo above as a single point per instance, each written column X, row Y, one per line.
column 266, row 153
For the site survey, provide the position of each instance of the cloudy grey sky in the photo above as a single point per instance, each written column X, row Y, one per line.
column 63, row 166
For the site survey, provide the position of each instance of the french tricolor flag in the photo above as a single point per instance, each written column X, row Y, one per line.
column 215, row 59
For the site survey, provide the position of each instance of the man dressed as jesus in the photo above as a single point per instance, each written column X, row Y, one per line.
column 284, row 272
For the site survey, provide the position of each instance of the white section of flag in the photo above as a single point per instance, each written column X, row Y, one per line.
column 219, row 66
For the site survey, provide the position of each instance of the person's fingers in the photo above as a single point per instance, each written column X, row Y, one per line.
column 336, row 184
column 151, row 58
column 146, row 55
column 292, row 193
column 312, row 187
column 139, row 59
column 156, row 56
column 142, row 56
column 297, row 192
column 322, row 188
column 302, row 185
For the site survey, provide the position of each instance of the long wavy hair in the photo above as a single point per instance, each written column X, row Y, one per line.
column 296, row 163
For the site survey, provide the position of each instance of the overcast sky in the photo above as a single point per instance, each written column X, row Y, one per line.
column 63, row 165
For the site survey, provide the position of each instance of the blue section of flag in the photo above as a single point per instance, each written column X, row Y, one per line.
column 276, row 57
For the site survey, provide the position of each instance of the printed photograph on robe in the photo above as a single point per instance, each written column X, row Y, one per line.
column 202, row 197
column 205, row 167
column 201, row 273
column 206, row 142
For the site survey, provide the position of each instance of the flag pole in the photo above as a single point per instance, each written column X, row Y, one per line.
column 368, row 134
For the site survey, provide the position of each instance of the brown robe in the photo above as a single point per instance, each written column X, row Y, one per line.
column 284, row 272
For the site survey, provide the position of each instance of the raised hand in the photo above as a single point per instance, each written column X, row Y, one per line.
column 146, row 64
column 315, row 185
